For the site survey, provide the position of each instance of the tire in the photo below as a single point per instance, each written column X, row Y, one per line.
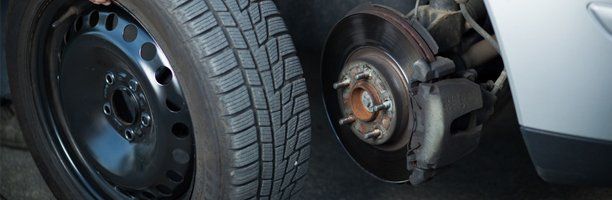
column 241, row 80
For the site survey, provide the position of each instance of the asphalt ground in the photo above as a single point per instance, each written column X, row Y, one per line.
column 499, row 168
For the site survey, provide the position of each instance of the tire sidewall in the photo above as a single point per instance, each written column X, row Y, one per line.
column 212, row 160
column 22, row 19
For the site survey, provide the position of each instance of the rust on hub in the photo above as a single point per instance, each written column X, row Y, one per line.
column 367, row 101
column 363, row 98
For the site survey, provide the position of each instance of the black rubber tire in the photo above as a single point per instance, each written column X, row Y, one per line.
column 242, row 82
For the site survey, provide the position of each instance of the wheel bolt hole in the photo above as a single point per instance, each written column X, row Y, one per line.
column 111, row 22
column 94, row 17
column 163, row 75
column 129, row 135
column 124, row 105
column 110, row 78
column 107, row 109
column 180, row 130
column 145, row 119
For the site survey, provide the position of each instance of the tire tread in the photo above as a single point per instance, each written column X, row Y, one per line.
column 258, row 79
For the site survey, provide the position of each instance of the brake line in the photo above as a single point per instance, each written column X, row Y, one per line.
column 476, row 26
column 503, row 76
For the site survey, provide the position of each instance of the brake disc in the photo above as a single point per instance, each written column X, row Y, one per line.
column 366, row 63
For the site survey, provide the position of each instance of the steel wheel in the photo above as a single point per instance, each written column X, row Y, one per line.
column 160, row 99
column 117, row 108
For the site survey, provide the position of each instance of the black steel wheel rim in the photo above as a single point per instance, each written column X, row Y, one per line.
column 116, row 108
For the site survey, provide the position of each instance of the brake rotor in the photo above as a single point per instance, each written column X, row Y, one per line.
column 366, row 63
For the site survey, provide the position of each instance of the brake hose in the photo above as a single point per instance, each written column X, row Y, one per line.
column 503, row 76
column 476, row 26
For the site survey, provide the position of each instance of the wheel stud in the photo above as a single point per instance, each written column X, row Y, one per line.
column 342, row 84
column 347, row 120
column 145, row 119
column 110, row 78
column 362, row 75
column 373, row 134
column 384, row 106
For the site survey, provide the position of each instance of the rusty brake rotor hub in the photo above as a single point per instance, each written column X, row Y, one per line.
column 366, row 96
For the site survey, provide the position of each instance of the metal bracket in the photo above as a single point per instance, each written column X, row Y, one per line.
column 424, row 71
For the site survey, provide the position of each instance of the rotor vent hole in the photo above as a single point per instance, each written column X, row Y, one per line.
column 130, row 32
column 111, row 22
column 163, row 75
column 94, row 17
column 174, row 176
column 180, row 130
column 148, row 51
column 164, row 189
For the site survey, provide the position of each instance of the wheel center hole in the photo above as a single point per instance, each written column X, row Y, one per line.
column 124, row 105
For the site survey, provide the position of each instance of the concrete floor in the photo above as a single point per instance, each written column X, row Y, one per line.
column 499, row 169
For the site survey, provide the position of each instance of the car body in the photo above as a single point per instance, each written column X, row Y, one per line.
column 559, row 69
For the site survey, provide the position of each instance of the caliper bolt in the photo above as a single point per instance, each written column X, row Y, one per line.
column 342, row 84
column 347, row 120
column 373, row 134
column 362, row 75
column 384, row 106
column 145, row 119
column 110, row 78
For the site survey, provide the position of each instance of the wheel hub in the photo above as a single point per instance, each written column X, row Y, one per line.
column 126, row 105
column 367, row 102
